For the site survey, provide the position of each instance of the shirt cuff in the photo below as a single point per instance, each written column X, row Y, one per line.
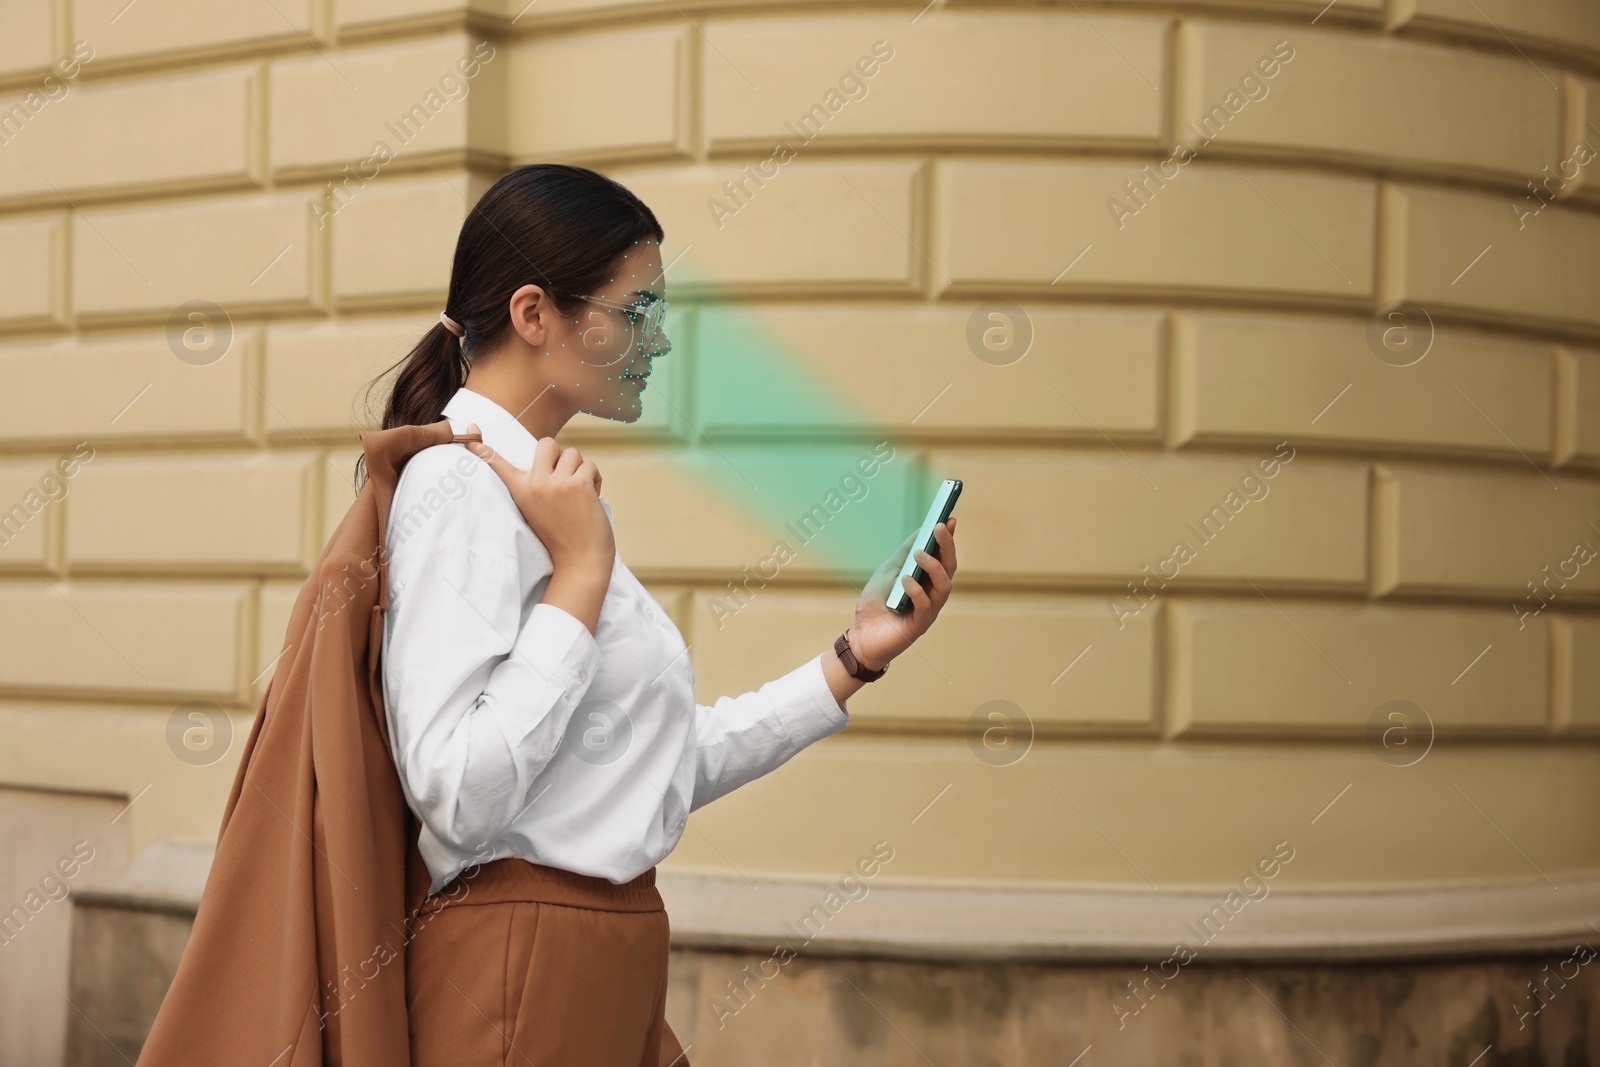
column 809, row 713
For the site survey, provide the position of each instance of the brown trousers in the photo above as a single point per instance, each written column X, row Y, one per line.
column 522, row 965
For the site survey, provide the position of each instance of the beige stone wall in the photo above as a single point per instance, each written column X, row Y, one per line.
column 1223, row 310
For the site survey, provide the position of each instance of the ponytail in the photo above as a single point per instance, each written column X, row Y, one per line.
column 430, row 375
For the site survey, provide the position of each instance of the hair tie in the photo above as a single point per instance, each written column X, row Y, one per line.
column 452, row 325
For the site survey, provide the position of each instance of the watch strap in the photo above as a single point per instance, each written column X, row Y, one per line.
column 852, row 666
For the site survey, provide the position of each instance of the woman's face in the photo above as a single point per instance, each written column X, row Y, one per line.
column 609, row 341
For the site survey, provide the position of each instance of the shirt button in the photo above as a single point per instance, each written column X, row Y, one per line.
column 583, row 676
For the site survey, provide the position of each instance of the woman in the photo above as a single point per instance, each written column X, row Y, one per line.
column 541, row 707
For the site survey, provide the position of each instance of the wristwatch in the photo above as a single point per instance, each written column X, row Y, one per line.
column 852, row 666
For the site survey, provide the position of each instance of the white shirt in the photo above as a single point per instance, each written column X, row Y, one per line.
column 517, row 732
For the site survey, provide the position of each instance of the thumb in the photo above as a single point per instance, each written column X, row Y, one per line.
column 899, row 558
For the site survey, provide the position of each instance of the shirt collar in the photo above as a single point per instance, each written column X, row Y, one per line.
column 501, row 430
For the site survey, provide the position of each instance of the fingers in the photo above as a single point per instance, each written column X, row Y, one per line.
column 883, row 578
column 587, row 471
column 569, row 462
column 938, row 577
column 944, row 535
column 548, row 457
column 921, row 605
column 579, row 469
column 545, row 453
column 926, row 603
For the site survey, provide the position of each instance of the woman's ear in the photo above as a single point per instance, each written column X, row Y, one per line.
column 532, row 313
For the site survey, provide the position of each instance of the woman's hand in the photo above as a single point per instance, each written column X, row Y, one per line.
column 879, row 635
column 559, row 497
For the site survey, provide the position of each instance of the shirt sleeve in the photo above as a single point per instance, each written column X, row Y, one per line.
column 739, row 739
column 478, row 697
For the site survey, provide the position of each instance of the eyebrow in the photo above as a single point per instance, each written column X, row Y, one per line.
column 647, row 295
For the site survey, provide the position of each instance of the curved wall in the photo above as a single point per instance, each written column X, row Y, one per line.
column 1194, row 217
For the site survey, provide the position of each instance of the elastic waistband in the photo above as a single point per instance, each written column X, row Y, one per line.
column 512, row 879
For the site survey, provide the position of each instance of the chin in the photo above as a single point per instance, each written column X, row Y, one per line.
column 622, row 411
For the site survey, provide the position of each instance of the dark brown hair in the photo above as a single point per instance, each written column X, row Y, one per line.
column 559, row 227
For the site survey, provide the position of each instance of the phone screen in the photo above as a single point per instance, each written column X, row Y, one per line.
column 944, row 502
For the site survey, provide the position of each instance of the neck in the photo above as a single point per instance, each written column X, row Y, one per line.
column 519, row 387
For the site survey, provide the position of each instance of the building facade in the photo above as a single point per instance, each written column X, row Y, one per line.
column 1264, row 334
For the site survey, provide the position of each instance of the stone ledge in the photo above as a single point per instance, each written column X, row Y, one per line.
column 166, row 877
column 973, row 921
column 977, row 921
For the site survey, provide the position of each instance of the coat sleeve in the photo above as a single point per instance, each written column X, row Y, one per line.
column 479, row 688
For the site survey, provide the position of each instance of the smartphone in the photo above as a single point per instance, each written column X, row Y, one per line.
column 944, row 502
